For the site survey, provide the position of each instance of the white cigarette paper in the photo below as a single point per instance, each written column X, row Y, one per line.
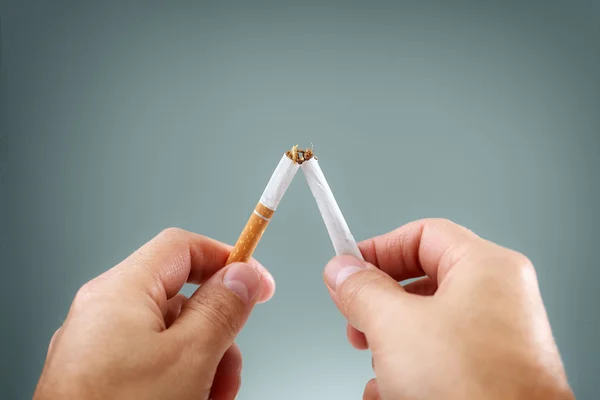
column 279, row 182
column 341, row 237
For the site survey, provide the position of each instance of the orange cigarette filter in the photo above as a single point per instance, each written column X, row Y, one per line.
column 264, row 210
column 253, row 231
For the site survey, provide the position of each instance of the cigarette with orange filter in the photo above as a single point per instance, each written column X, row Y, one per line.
column 264, row 210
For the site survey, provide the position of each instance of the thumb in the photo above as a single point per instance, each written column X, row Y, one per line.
column 217, row 311
column 361, row 291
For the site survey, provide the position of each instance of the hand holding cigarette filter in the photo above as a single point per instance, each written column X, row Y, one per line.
column 341, row 237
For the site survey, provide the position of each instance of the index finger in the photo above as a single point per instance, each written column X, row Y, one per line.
column 425, row 247
column 163, row 265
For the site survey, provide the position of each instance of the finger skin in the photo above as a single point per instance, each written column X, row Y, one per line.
column 432, row 246
column 129, row 334
column 425, row 247
column 53, row 340
column 174, row 306
column 486, row 320
column 214, row 314
column 162, row 266
column 360, row 297
column 228, row 376
column 422, row 287
column 357, row 339
column 371, row 391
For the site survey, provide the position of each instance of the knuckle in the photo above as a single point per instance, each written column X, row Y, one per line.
column 171, row 233
column 521, row 262
column 442, row 221
column 54, row 337
column 439, row 222
column 215, row 308
column 447, row 224
column 85, row 292
column 53, row 340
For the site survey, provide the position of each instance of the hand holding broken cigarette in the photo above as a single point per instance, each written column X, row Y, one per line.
column 130, row 335
column 412, row 357
column 473, row 327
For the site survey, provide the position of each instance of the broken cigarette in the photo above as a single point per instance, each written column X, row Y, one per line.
column 341, row 237
column 264, row 210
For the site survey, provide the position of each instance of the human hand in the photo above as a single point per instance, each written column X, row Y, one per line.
column 129, row 334
column 474, row 327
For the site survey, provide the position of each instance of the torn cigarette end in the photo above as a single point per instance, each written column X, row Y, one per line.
column 264, row 211
column 299, row 156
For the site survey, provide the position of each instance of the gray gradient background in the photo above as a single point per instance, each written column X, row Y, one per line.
column 119, row 119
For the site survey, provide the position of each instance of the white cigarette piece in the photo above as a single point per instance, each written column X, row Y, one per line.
column 279, row 182
column 264, row 210
column 341, row 237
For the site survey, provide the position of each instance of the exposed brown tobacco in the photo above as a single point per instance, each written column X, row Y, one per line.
column 299, row 156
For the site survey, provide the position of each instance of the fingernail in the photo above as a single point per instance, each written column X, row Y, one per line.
column 340, row 268
column 265, row 294
column 243, row 280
